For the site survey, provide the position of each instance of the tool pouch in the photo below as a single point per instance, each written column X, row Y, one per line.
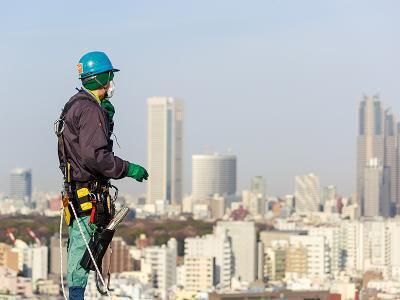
column 67, row 213
column 98, row 245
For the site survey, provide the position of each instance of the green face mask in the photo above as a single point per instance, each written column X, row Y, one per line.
column 99, row 81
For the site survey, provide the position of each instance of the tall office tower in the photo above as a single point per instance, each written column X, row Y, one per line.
column 164, row 149
column 376, row 189
column 21, row 185
column 391, row 162
column 213, row 174
column 377, row 139
column 307, row 193
column 258, row 186
column 217, row 246
column 243, row 242
column 163, row 266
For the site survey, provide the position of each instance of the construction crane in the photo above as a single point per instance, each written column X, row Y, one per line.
column 11, row 235
column 33, row 236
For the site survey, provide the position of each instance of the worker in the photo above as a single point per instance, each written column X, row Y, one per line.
column 87, row 160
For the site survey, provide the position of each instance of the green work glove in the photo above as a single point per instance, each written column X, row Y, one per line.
column 107, row 105
column 137, row 172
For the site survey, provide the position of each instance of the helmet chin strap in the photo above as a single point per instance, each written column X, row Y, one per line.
column 104, row 86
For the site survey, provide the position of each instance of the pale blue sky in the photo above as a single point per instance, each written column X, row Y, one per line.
column 276, row 81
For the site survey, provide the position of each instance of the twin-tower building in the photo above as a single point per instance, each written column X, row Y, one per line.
column 378, row 146
column 211, row 174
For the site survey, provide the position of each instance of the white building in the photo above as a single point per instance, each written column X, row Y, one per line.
column 243, row 240
column 350, row 245
column 332, row 243
column 213, row 174
column 164, row 149
column 307, row 193
column 163, row 264
column 36, row 262
column 216, row 246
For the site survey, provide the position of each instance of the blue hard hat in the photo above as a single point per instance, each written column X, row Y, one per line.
column 93, row 63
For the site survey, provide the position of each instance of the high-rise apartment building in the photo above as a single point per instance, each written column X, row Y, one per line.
column 275, row 262
column 199, row 273
column 296, row 261
column 332, row 240
column 21, row 185
column 163, row 266
column 36, row 262
column 164, row 149
column 118, row 260
column 243, row 240
column 213, row 174
column 307, row 193
column 217, row 246
column 317, row 253
column 377, row 140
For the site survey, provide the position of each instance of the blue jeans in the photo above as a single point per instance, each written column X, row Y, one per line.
column 76, row 293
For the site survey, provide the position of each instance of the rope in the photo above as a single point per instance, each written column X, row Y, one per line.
column 90, row 252
column 61, row 254
column 87, row 247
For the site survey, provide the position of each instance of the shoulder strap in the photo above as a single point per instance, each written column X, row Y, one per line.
column 59, row 128
column 71, row 102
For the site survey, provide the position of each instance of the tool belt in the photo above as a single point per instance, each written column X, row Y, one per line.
column 89, row 199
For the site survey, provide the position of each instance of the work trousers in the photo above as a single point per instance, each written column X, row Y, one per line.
column 78, row 276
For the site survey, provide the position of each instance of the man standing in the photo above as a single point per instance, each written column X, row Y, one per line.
column 87, row 161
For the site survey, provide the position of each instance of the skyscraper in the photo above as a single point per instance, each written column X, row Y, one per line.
column 391, row 163
column 21, row 185
column 377, row 140
column 213, row 174
column 307, row 193
column 164, row 149
column 376, row 189
column 258, row 186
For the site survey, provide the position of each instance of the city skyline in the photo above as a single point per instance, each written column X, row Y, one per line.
column 258, row 81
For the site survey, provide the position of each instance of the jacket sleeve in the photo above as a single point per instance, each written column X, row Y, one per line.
column 96, row 153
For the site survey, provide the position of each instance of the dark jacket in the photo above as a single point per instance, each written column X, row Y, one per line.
column 87, row 141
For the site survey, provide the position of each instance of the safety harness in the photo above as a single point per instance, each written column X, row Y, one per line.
column 88, row 199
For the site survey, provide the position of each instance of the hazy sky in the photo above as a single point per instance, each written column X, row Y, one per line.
column 275, row 81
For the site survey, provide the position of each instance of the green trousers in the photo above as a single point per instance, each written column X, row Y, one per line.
column 78, row 276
